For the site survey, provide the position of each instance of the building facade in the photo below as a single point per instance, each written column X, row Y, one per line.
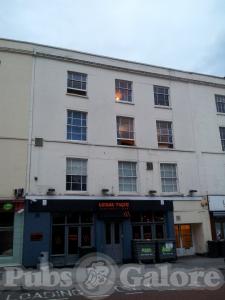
column 118, row 151
column 15, row 87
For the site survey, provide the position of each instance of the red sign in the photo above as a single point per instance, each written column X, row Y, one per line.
column 114, row 205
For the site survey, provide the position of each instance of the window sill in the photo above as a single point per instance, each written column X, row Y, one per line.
column 125, row 102
column 77, row 142
column 163, row 107
column 83, row 193
column 75, row 95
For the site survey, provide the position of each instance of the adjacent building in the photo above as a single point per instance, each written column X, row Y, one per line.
column 116, row 151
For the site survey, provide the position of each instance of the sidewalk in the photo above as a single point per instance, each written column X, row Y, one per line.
column 199, row 262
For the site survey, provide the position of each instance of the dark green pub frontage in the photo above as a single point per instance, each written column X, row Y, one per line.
column 66, row 229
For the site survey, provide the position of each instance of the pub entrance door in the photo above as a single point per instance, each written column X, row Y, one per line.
column 113, row 241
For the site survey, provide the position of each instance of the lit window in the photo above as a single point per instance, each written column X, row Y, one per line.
column 220, row 103
column 164, row 134
column 76, row 174
column 123, row 90
column 161, row 95
column 77, row 83
column 76, row 125
column 127, row 177
column 222, row 136
column 125, row 131
column 169, row 177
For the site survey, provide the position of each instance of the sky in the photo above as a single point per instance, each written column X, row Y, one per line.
column 180, row 34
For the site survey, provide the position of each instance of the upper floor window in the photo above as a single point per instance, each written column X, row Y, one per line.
column 77, row 83
column 76, row 125
column 76, row 174
column 127, row 176
column 222, row 136
column 220, row 103
column 169, row 178
column 125, row 131
column 164, row 134
column 161, row 95
column 123, row 90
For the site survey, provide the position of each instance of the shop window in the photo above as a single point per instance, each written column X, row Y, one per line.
column 73, row 240
column 73, row 218
column 147, row 232
column 136, row 232
column 148, row 217
column 58, row 240
column 159, row 231
column 86, row 236
column 148, row 225
column 71, row 231
column 86, row 218
column 108, row 233
column 6, row 234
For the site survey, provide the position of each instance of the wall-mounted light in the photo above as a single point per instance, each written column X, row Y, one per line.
column 105, row 191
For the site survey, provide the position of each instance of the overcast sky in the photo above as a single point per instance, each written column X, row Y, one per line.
column 182, row 34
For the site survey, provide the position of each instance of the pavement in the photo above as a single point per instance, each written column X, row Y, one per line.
column 120, row 291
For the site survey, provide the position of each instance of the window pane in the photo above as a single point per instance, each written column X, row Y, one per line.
column 73, row 218
column 161, row 95
column 108, row 233
column 220, row 103
column 168, row 177
column 86, row 218
column 117, row 233
column 76, row 125
column 136, row 232
column 159, row 231
column 136, row 217
column 6, row 241
column 76, row 178
column 85, row 236
column 123, row 90
column 147, row 232
column 159, row 217
column 72, row 240
column 58, row 239
column 6, row 219
column 147, row 217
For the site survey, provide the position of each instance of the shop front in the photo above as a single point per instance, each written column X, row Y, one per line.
column 217, row 216
column 192, row 226
column 67, row 229
column 11, row 232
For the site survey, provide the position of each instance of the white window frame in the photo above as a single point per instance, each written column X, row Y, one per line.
column 220, row 102
column 86, row 174
column 121, row 177
column 86, row 127
column 121, row 88
column 129, row 132
column 81, row 81
column 176, row 178
column 222, row 139
column 157, row 93
column 168, row 143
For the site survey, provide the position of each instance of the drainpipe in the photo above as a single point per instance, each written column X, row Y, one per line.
column 30, row 125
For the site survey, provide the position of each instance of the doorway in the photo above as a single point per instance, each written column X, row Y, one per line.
column 113, row 240
column 184, row 240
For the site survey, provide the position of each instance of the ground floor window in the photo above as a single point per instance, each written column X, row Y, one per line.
column 6, row 233
column 183, row 236
column 70, row 232
column 220, row 229
column 148, row 225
